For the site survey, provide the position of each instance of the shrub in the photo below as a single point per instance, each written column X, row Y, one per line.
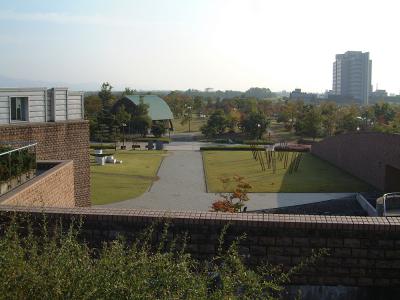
column 21, row 162
column 53, row 264
column 158, row 129
column 102, row 146
column 232, row 202
column 231, row 148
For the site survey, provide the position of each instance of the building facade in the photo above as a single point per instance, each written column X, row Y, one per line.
column 33, row 105
column 54, row 119
column 352, row 76
column 297, row 94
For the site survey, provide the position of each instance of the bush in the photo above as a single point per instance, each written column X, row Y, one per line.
column 257, row 142
column 231, row 148
column 147, row 139
column 158, row 130
column 102, row 146
column 216, row 124
column 44, row 264
column 21, row 162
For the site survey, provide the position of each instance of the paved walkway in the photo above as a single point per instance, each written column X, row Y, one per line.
column 181, row 187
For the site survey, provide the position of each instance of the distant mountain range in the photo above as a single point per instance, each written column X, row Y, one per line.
column 19, row 82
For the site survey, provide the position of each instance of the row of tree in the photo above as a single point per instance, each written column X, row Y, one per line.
column 254, row 124
column 246, row 114
column 307, row 120
column 328, row 118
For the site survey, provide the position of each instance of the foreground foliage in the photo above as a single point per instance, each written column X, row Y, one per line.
column 56, row 265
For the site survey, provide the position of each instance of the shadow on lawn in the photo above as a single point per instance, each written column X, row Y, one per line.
column 317, row 176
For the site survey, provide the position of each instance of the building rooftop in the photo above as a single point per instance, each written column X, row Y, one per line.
column 158, row 108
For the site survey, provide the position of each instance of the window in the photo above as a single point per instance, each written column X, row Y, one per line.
column 19, row 108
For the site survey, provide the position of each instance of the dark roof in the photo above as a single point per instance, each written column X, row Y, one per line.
column 158, row 108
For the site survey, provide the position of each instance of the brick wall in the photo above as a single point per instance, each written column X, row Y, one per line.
column 364, row 251
column 53, row 188
column 364, row 155
column 59, row 141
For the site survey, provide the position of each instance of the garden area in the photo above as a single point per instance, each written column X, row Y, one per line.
column 313, row 175
column 117, row 182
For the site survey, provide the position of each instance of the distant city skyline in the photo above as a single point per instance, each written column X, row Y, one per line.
column 177, row 44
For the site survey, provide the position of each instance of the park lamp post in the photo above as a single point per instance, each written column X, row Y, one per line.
column 123, row 134
column 189, row 114
column 258, row 131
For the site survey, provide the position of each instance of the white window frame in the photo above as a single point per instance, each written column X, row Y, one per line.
column 27, row 108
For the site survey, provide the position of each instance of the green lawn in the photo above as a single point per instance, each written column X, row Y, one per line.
column 112, row 183
column 314, row 175
column 195, row 125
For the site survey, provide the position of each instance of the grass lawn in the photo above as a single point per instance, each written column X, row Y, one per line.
column 195, row 125
column 112, row 183
column 314, row 175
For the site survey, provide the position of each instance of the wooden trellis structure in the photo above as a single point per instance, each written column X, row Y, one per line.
column 291, row 160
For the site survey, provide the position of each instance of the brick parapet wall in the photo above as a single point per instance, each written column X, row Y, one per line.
column 364, row 251
column 58, row 141
column 53, row 188
column 364, row 155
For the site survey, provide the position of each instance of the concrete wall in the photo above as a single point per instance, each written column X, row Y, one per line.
column 58, row 141
column 364, row 251
column 53, row 188
column 365, row 155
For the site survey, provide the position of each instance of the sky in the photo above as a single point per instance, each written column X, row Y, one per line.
column 182, row 44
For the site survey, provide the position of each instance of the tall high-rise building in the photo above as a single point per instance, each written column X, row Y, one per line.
column 352, row 75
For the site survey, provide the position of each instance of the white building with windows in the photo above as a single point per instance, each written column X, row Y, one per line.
column 352, row 76
column 33, row 105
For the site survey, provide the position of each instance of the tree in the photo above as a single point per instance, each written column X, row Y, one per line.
column 198, row 104
column 106, row 96
column 259, row 93
column 348, row 118
column 140, row 120
column 255, row 124
column 122, row 116
column 216, row 124
column 233, row 119
column 141, row 124
column 128, row 91
column 102, row 133
column 158, row 129
column 177, row 102
column 329, row 113
column 383, row 112
column 290, row 112
column 310, row 124
column 93, row 106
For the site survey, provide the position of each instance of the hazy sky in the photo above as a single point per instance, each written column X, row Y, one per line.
column 181, row 44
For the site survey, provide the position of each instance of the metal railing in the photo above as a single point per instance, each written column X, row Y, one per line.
column 17, row 164
column 389, row 197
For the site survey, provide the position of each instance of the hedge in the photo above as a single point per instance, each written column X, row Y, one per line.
column 231, row 148
column 154, row 139
column 103, row 146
